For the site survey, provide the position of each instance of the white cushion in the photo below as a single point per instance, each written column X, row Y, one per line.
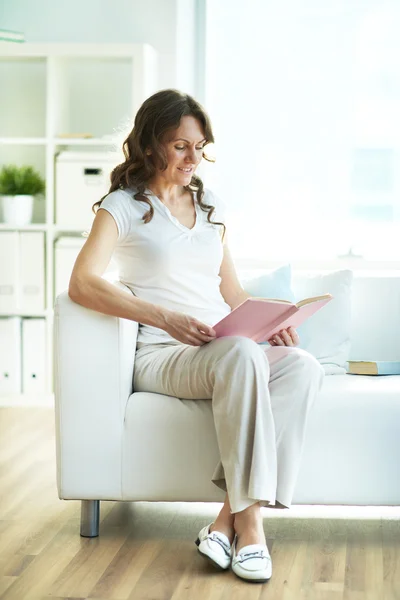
column 326, row 335
column 350, row 452
column 270, row 284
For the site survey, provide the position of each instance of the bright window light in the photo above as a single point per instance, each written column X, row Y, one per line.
column 304, row 98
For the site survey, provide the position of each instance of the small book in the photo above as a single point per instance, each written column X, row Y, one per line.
column 6, row 35
column 75, row 135
column 380, row 367
column 261, row 318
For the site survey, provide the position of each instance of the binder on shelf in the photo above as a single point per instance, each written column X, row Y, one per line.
column 9, row 242
column 32, row 271
column 66, row 250
column 33, row 356
column 10, row 355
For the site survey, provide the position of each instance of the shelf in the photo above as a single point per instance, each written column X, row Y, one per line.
column 84, row 142
column 23, row 80
column 42, row 227
column 31, row 141
column 67, row 230
column 42, row 314
column 55, row 89
column 30, row 227
column 28, row 50
column 85, row 103
column 26, row 141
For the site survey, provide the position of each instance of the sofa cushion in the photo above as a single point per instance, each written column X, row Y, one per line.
column 350, row 452
column 273, row 284
column 327, row 334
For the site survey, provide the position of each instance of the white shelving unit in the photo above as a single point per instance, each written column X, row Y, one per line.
column 49, row 90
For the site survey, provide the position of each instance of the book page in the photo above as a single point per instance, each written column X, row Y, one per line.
column 313, row 299
column 271, row 300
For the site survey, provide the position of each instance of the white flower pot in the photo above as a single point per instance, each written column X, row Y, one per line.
column 17, row 210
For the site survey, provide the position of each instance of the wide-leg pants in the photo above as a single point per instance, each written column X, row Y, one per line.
column 261, row 398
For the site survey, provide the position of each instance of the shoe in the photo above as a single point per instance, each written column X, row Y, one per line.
column 252, row 563
column 215, row 547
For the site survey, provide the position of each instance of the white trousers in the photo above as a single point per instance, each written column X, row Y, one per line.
column 261, row 398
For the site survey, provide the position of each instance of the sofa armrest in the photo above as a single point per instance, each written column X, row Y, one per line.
column 94, row 358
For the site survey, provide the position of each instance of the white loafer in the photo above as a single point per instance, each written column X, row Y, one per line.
column 215, row 547
column 252, row 563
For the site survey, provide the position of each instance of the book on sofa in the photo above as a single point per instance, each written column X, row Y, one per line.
column 380, row 367
column 261, row 318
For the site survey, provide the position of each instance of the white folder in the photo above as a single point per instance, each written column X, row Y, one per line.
column 33, row 356
column 10, row 355
column 31, row 256
column 9, row 243
column 66, row 250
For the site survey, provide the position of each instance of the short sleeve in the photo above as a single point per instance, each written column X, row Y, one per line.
column 119, row 205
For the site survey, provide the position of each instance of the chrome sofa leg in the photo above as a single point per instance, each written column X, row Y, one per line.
column 90, row 515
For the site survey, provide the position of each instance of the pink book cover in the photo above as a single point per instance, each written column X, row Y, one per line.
column 259, row 319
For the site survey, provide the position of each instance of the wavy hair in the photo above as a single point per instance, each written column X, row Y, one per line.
column 158, row 115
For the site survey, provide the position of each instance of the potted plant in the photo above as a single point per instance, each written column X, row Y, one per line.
column 18, row 186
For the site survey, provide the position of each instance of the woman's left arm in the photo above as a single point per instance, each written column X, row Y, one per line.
column 234, row 294
column 231, row 288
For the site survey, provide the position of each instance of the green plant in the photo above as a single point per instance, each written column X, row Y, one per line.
column 20, row 181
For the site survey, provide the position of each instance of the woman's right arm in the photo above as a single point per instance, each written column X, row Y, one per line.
column 88, row 288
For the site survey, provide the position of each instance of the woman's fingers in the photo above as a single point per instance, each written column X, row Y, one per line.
column 286, row 337
column 283, row 338
column 294, row 335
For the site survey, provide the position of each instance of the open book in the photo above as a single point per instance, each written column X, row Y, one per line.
column 261, row 318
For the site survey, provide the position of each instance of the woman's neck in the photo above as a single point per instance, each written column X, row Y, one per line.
column 168, row 194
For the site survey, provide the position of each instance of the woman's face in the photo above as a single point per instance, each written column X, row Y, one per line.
column 184, row 150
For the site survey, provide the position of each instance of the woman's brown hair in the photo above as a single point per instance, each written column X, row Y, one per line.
column 159, row 114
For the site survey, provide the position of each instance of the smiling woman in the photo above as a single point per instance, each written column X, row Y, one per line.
column 184, row 150
column 166, row 235
column 162, row 152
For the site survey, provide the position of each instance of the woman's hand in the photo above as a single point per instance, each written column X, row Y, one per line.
column 187, row 329
column 286, row 337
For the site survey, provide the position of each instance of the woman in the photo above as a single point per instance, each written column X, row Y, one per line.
column 167, row 236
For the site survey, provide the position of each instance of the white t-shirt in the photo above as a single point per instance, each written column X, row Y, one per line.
column 166, row 263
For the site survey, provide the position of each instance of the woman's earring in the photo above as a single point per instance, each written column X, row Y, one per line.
column 148, row 152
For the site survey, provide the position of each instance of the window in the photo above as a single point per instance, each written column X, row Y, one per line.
column 304, row 98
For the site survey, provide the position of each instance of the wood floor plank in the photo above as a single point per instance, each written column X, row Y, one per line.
column 37, row 578
column 328, row 578
column 5, row 582
column 159, row 580
column 391, row 558
column 125, row 570
column 83, row 572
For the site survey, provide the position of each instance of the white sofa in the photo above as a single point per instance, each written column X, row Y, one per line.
column 114, row 444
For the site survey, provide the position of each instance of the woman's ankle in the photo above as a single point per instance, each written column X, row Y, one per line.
column 250, row 514
column 249, row 527
column 225, row 523
column 224, row 526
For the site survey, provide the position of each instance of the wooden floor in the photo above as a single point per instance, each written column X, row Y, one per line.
column 146, row 550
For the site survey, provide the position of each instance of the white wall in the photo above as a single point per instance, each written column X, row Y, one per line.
column 168, row 25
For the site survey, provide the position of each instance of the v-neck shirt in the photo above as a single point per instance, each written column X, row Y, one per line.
column 166, row 263
column 167, row 211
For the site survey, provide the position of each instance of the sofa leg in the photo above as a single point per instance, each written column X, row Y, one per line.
column 90, row 514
